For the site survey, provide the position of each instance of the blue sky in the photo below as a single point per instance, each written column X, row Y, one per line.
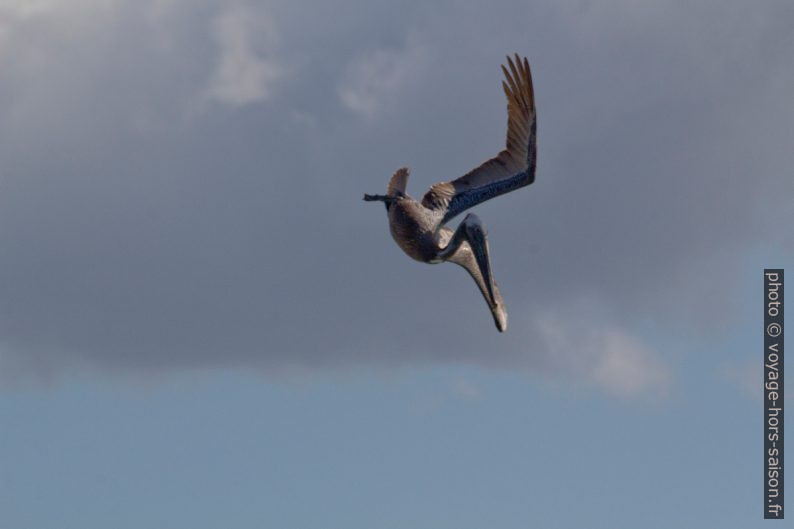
column 448, row 446
column 436, row 448
column 202, row 325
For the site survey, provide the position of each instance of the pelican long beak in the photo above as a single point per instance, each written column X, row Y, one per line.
column 493, row 297
column 498, row 311
column 480, row 249
column 484, row 279
column 479, row 245
column 488, row 287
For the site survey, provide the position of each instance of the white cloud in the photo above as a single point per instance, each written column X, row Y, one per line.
column 15, row 14
column 91, row 107
column 626, row 366
column 604, row 355
column 31, row 8
column 375, row 78
column 246, row 69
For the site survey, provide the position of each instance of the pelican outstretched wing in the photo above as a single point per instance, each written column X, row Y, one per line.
column 512, row 168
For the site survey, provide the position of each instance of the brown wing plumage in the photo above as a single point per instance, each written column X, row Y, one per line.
column 398, row 182
column 512, row 168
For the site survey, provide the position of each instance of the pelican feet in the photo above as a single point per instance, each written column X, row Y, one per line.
column 379, row 198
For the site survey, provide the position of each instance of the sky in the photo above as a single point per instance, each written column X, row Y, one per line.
column 202, row 324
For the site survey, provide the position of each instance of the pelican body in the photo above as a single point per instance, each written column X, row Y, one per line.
column 419, row 227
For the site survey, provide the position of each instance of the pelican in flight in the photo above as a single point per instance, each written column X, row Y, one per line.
column 419, row 228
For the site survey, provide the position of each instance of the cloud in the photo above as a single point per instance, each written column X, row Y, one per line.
column 137, row 236
column 375, row 79
column 627, row 367
column 246, row 67
column 33, row 8
column 579, row 343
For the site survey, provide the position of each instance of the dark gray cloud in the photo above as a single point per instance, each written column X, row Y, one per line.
column 181, row 181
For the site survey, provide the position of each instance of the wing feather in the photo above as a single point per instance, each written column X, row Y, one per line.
column 512, row 168
column 398, row 182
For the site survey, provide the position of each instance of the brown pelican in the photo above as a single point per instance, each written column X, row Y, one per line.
column 418, row 227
